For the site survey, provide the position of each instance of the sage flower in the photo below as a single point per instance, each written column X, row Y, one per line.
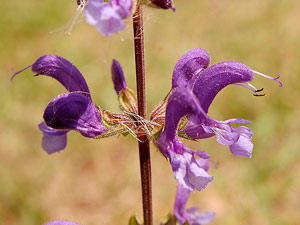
column 194, row 86
column 188, row 172
column 75, row 110
column 107, row 17
column 192, row 73
column 70, row 111
column 189, row 215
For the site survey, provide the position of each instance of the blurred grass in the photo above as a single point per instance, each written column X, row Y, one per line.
column 97, row 182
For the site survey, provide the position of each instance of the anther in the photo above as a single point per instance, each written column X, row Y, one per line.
column 259, row 95
column 259, row 90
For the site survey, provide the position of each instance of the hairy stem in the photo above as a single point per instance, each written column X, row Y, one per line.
column 144, row 149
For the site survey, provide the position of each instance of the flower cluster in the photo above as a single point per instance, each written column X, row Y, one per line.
column 182, row 113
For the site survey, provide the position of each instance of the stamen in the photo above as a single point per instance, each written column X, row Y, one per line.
column 251, row 88
column 131, row 132
column 266, row 76
column 259, row 90
column 79, row 10
column 259, row 95
column 142, row 121
column 198, row 71
column 20, row 71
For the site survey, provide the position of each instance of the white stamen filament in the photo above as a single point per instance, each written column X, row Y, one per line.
column 243, row 85
column 145, row 123
column 79, row 10
column 131, row 132
column 251, row 88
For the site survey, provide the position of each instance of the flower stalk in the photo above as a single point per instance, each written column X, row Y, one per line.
column 144, row 149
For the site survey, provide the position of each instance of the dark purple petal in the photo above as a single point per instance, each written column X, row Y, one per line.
column 213, row 79
column 75, row 112
column 63, row 71
column 164, row 4
column 181, row 102
column 60, row 222
column 118, row 77
column 190, row 64
column 190, row 215
column 53, row 140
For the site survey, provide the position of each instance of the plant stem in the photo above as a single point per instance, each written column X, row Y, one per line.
column 144, row 148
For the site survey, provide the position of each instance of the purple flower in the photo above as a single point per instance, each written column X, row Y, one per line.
column 194, row 86
column 189, row 215
column 164, row 4
column 191, row 63
column 205, row 83
column 108, row 17
column 188, row 172
column 71, row 111
column 61, row 222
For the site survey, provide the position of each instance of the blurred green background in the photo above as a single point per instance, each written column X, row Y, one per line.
column 97, row 181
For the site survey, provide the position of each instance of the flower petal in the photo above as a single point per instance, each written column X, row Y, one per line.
column 75, row 112
column 187, row 171
column 92, row 11
column 195, row 218
column 61, row 222
column 118, row 77
column 191, row 215
column 244, row 145
column 182, row 196
column 53, row 140
column 123, row 6
column 191, row 63
column 63, row 71
column 213, row 79
column 181, row 102
column 106, row 17
column 225, row 134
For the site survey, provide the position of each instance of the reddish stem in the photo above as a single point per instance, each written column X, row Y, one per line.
column 144, row 149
